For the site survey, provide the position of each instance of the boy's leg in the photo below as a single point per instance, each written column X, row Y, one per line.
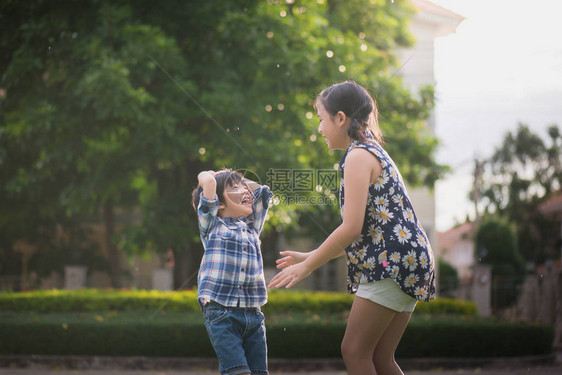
column 225, row 327
column 255, row 344
column 365, row 327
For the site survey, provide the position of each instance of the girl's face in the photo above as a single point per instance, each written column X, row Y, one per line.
column 332, row 128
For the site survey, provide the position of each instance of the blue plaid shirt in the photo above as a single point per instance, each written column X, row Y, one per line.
column 231, row 271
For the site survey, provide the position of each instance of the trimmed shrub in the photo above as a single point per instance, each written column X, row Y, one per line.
column 47, row 301
column 181, row 334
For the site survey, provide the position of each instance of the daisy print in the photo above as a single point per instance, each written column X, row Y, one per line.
column 361, row 253
column 382, row 257
column 381, row 181
column 409, row 215
column 381, row 200
column 409, row 261
column 411, row 280
column 376, row 234
column 398, row 199
column 369, row 263
column 394, row 272
column 420, row 292
column 372, row 212
column 395, row 257
column 421, row 239
column 384, row 215
column 357, row 241
column 402, row 233
column 423, row 261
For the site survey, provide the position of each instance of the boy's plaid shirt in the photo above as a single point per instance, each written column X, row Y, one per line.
column 231, row 271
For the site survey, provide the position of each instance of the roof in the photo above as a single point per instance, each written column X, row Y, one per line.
column 429, row 7
column 443, row 20
column 454, row 235
column 552, row 206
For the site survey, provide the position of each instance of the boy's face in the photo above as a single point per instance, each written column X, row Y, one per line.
column 238, row 201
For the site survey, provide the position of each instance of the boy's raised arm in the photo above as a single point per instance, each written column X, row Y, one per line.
column 208, row 183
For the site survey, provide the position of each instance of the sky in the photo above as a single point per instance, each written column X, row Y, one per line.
column 502, row 67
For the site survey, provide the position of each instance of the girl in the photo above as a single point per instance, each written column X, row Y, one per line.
column 389, row 259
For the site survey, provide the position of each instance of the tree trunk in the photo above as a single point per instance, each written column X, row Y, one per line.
column 112, row 253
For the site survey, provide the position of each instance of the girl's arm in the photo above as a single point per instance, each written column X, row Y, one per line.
column 360, row 169
column 294, row 257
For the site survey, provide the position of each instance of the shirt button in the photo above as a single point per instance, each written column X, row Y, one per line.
column 242, row 269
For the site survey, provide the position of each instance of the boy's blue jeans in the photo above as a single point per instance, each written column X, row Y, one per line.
column 238, row 337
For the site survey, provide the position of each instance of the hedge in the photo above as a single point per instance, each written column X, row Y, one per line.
column 182, row 334
column 46, row 301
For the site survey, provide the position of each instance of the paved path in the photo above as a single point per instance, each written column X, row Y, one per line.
column 45, row 365
column 551, row 370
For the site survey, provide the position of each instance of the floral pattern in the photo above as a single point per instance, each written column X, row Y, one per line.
column 392, row 243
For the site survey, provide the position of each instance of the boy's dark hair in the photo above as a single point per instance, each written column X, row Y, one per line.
column 224, row 178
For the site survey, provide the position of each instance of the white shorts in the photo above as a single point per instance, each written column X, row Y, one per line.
column 388, row 294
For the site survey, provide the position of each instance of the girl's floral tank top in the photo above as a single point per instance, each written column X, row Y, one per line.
column 392, row 243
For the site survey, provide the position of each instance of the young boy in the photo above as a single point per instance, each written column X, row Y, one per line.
column 231, row 283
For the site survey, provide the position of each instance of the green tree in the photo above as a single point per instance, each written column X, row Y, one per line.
column 523, row 172
column 497, row 245
column 111, row 105
column 448, row 278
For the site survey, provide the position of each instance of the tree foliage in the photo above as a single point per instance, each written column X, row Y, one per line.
column 523, row 172
column 110, row 107
column 497, row 246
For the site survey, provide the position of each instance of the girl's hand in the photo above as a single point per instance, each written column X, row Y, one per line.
column 290, row 276
column 290, row 258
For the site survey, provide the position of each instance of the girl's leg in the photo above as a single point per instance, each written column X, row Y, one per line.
column 366, row 325
column 383, row 357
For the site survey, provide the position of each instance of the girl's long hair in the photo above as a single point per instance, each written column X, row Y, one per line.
column 357, row 104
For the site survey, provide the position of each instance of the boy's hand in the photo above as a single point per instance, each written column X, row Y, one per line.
column 205, row 176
